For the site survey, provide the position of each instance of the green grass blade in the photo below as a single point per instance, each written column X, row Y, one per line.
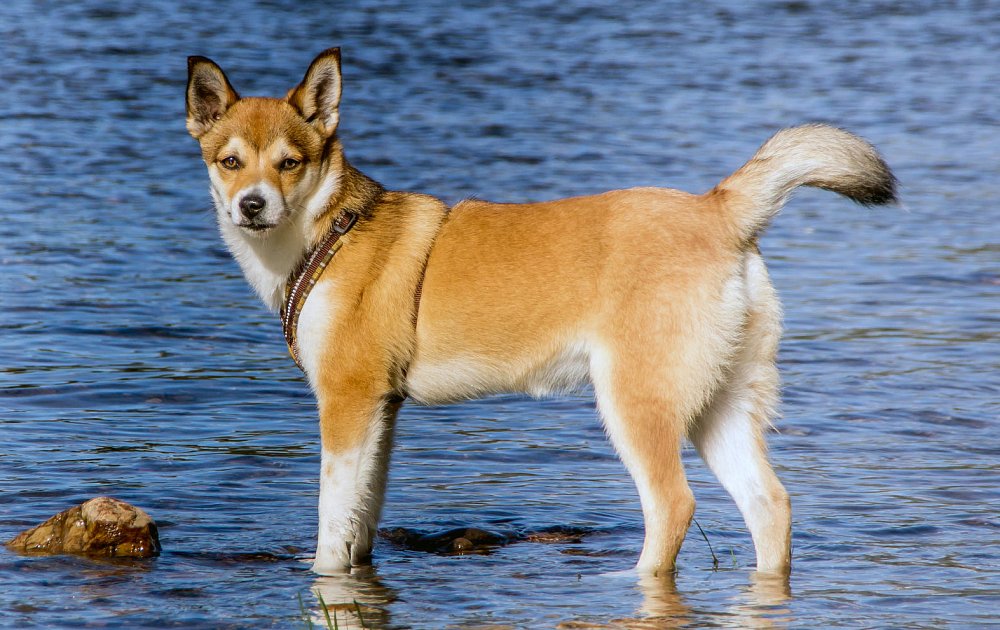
column 326, row 612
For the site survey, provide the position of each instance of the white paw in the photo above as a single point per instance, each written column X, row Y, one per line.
column 332, row 559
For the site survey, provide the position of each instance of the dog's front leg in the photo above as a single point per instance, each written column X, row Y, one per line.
column 356, row 443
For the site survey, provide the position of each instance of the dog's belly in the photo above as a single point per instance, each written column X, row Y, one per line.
column 437, row 380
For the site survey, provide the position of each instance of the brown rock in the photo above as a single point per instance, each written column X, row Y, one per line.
column 100, row 527
column 461, row 540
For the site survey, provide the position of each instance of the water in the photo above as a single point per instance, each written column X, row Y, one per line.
column 135, row 362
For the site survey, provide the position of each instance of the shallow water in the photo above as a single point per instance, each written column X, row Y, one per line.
column 135, row 362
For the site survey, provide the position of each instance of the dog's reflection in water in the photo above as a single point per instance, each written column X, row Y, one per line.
column 762, row 603
column 357, row 599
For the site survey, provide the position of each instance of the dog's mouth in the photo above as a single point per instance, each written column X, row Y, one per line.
column 257, row 227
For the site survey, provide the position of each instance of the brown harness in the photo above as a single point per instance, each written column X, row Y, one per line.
column 307, row 274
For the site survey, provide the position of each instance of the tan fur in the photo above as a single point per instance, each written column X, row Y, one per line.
column 659, row 297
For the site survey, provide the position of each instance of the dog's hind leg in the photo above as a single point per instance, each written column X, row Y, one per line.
column 729, row 434
column 646, row 418
column 648, row 438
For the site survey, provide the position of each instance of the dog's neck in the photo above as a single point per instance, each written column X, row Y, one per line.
column 268, row 260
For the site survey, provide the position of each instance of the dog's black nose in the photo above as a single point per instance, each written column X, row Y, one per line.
column 251, row 205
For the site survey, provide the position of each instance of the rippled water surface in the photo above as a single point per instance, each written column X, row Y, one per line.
column 135, row 362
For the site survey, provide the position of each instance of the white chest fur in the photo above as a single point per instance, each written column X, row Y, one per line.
column 314, row 326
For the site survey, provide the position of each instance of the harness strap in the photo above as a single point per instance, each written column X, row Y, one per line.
column 303, row 279
column 307, row 274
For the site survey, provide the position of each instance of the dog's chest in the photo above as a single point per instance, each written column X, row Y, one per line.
column 313, row 327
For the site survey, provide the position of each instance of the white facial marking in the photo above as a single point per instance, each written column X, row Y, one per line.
column 318, row 201
column 268, row 257
column 274, row 211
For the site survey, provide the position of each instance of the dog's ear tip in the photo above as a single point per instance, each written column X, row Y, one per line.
column 330, row 52
column 193, row 61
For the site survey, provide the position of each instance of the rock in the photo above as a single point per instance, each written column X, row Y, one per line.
column 99, row 527
column 469, row 540
column 461, row 540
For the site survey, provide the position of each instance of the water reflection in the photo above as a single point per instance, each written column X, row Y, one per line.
column 762, row 603
column 357, row 599
column 661, row 602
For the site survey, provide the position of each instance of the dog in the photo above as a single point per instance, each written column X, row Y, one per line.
column 658, row 297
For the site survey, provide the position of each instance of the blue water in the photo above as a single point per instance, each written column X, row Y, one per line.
column 135, row 362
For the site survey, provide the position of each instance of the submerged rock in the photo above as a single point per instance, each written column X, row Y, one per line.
column 460, row 541
column 100, row 527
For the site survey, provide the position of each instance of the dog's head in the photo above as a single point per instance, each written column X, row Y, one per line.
column 268, row 159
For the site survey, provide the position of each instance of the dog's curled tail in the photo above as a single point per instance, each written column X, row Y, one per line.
column 811, row 155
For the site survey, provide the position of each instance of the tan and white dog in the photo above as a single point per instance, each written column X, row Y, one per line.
column 658, row 297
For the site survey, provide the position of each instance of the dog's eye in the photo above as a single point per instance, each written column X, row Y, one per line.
column 289, row 163
column 230, row 162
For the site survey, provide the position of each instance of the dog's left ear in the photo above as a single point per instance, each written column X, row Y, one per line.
column 318, row 96
column 209, row 95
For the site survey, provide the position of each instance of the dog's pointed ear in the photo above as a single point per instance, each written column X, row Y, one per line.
column 209, row 95
column 318, row 96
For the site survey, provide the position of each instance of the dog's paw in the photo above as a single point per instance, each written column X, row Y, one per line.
column 352, row 548
column 332, row 559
